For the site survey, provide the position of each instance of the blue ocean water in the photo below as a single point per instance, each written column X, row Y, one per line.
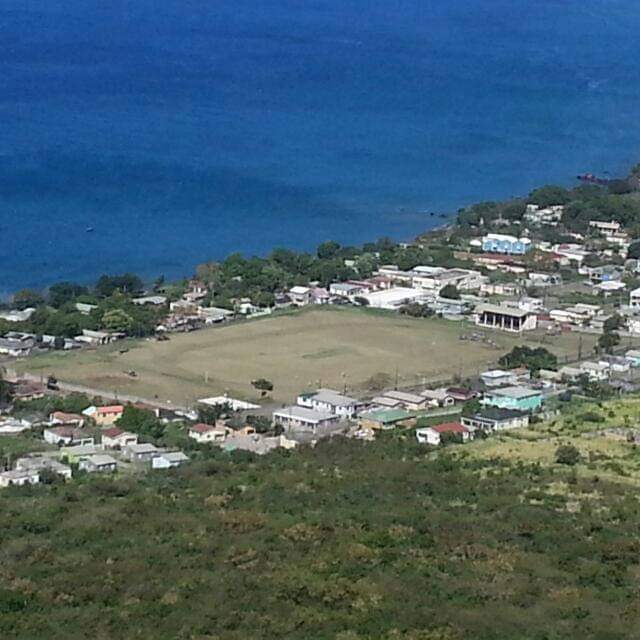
column 183, row 130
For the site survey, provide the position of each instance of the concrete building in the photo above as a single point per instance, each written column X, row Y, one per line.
column 505, row 318
column 385, row 419
column 99, row 463
column 304, row 419
column 393, row 299
column 434, row 435
column 492, row 419
column 18, row 478
column 115, row 438
column 505, row 244
column 169, row 460
column 331, row 401
column 516, row 397
column 38, row 463
column 204, row 433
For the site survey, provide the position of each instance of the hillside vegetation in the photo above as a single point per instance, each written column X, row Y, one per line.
column 344, row 541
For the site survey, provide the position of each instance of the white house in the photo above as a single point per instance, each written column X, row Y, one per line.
column 498, row 378
column 597, row 371
column 300, row 296
column 67, row 436
column 296, row 417
column 433, row 435
column 505, row 318
column 115, row 438
column 99, row 463
column 169, row 460
column 634, row 298
column 393, row 299
column 18, row 478
column 38, row 463
column 331, row 401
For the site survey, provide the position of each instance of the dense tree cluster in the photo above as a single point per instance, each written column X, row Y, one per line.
column 533, row 358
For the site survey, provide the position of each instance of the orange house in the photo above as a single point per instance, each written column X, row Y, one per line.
column 107, row 416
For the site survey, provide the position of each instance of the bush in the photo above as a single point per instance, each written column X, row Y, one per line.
column 567, row 454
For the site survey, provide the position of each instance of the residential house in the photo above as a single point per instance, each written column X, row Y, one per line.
column 500, row 289
column 385, row 419
column 150, row 301
column 300, row 296
column 345, row 290
column 17, row 315
column 13, row 426
column 169, row 459
column 516, row 397
column 634, row 299
column 597, row 371
column 498, row 378
column 107, row 416
column 492, row 419
column 410, row 401
column 18, row 478
column 505, row 318
column 16, row 348
column 633, row 356
column 544, row 279
column 204, row 433
column 84, row 308
column 70, row 419
column 510, row 245
column 604, row 227
column 331, row 401
column 319, row 295
column 99, row 463
column 73, row 454
column 460, row 394
column 532, row 305
column 438, row 397
column 304, row 419
column 141, row 452
column 96, row 338
column 544, row 216
column 26, row 391
column 38, row 463
column 232, row 403
column 115, row 438
column 66, row 435
column 433, row 435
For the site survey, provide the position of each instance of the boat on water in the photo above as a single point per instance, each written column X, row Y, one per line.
column 89, row 230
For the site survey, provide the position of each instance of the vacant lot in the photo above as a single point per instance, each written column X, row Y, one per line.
column 318, row 347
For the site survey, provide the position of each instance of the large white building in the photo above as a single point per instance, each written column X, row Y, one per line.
column 512, row 319
column 393, row 299
column 295, row 417
column 331, row 401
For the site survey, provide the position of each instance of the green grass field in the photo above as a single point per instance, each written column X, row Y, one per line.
column 316, row 347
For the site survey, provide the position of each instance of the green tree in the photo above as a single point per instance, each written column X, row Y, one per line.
column 608, row 340
column 549, row 195
column 533, row 358
column 141, row 421
column 567, row 454
column 118, row 320
column 450, row 291
column 327, row 250
column 27, row 298
column 65, row 292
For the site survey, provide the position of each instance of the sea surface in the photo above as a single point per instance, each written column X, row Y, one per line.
column 184, row 130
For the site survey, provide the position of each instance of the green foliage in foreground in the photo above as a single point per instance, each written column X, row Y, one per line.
column 344, row 541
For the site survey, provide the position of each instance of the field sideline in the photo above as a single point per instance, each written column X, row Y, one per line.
column 297, row 351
